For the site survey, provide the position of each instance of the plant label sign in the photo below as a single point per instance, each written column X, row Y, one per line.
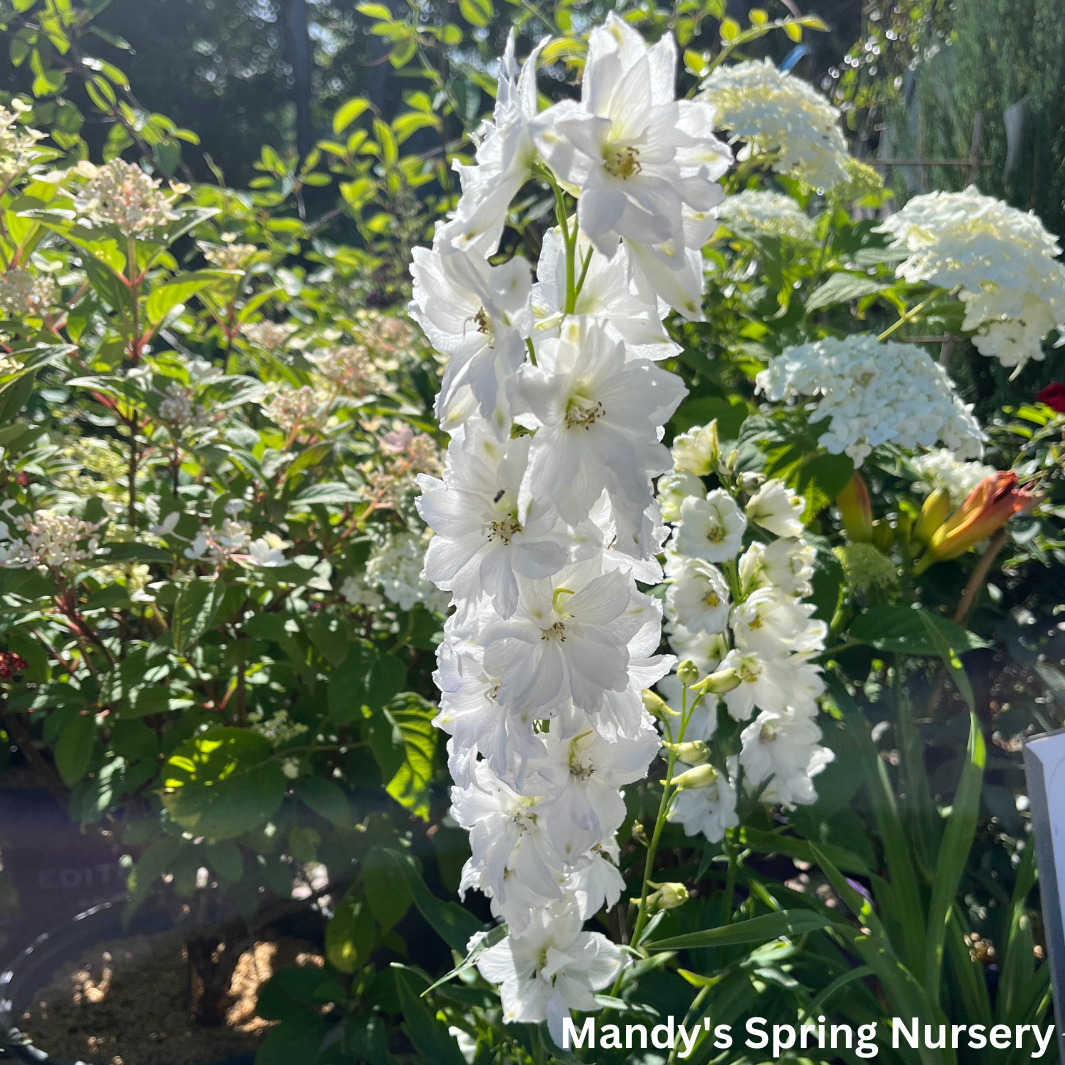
column 1044, row 765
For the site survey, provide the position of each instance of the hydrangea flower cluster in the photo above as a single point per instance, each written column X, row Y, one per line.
column 1002, row 261
column 939, row 468
column 544, row 518
column 49, row 541
column 737, row 574
column 874, row 393
column 24, row 294
column 766, row 212
column 121, row 194
column 782, row 119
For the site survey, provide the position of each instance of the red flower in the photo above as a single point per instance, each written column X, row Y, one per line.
column 1053, row 396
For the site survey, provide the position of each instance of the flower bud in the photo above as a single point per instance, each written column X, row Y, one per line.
column 702, row 776
column 750, row 482
column 883, row 535
column 935, row 511
column 856, row 511
column 687, row 672
column 639, row 833
column 656, row 706
column 724, row 680
column 990, row 505
column 697, row 450
column 694, row 752
column 667, row 897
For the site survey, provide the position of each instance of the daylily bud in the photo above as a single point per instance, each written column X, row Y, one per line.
column 702, row 776
column 687, row 672
column 935, row 511
column 694, row 752
column 856, row 511
column 990, row 505
column 883, row 535
column 656, row 706
column 904, row 528
column 668, row 896
column 724, row 680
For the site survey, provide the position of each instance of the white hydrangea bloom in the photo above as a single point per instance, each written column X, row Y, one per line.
column 396, row 569
column 874, row 393
column 1001, row 259
column 940, row 469
column 766, row 212
column 780, row 117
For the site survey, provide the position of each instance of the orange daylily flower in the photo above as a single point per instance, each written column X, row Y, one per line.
column 990, row 505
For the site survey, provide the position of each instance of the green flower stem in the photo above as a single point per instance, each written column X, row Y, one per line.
column 912, row 313
column 642, row 914
column 569, row 238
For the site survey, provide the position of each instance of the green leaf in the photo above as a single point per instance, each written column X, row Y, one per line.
column 329, row 635
column 153, row 700
column 150, row 866
column 134, row 552
column 949, row 655
column 904, row 629
column 841, row 287
column 453, row 923
column 387, row 895
column 226, row 860
column 771, row 843
column 412, row 726
column 223, row 782
column 755, row 930
column 347, row 683
column 429, row 1036
column 165, row 297
column 349, row 934
column 348, row 112
column 74, row 748
column 197, row 602
column 326, row 798
column 332, row 492
column 953, row 854
column 388, row 677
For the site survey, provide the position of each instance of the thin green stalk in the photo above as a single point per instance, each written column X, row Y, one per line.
column 693, row 1011
column 569, row 238
column 532, row 350
column 911, row 314
column 642, row 914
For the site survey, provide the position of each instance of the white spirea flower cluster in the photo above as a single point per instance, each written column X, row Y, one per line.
column 545, row 518
column 731, row 607
column 781, row 118
column 940, row 469
column 1002, row 260
column 766, row 212
column 874, row 393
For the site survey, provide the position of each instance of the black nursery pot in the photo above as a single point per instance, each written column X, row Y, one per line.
column 34, row 967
